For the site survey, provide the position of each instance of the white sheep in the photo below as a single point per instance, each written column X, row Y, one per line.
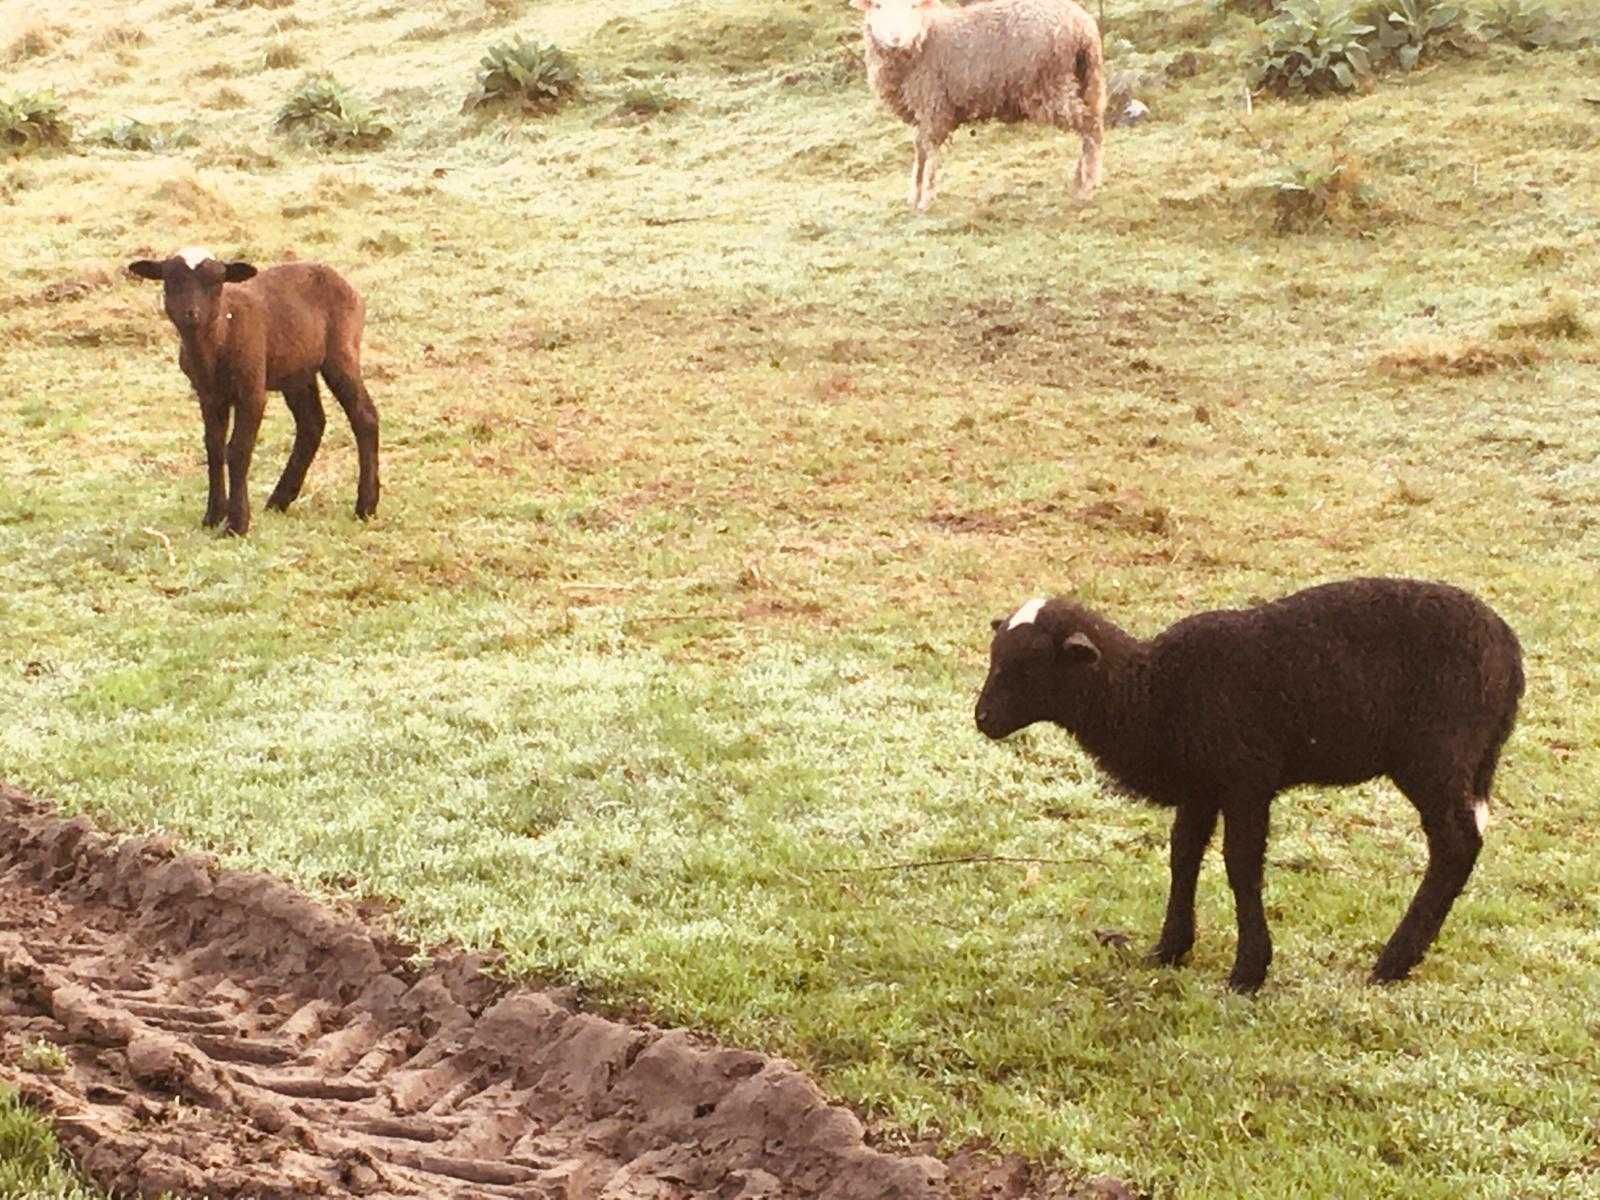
column 938, row 68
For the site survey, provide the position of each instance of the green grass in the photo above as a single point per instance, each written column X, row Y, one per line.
column 706, row 464
column 31, row 1164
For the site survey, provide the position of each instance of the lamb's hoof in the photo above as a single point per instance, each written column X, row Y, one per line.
column 1247, row 983
column 211, row 520
column 1163, row 955
column 366, row 514
column 1388, row 972
column 1248, row 976
column 277, row 503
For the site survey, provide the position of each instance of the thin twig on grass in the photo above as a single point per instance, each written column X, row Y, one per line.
column 172, row 559
column 950, row 862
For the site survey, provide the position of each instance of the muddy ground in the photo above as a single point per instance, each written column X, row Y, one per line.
column 225, row 1036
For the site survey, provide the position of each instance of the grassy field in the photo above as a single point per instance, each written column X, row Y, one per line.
column 706, row 464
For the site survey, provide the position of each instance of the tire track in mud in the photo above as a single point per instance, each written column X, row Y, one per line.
column 225, row 1036
column 228, row 1037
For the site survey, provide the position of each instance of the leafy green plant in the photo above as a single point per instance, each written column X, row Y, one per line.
column 130, row 133
column 1529, row 24
column 539, row 78
column 45, row 1058
column 31, row 121
column 1256, row 9
column 1402, row 29
column 320, row 112
column 1313, row 46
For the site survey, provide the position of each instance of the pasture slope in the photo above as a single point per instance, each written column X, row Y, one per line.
column 706, row 464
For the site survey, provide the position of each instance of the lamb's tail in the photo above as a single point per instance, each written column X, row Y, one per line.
column 1483, row 777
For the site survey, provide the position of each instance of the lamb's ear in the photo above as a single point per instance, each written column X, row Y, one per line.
column 863, row 5
column 238, row 272
column 1079, row 649
column 996, row 623
column 145, row 269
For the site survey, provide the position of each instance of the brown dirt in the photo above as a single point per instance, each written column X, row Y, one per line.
column 228, row 1037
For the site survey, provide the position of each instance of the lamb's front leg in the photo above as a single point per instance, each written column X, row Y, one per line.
column 919, row 156
column 1191, row 834
column 247, row 413
column 1244, row 849
column 930, row 177
column 215, row 417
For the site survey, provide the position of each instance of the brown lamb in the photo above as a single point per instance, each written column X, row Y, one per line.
column 1337, row 684
column 938, row 68
column 244, row 333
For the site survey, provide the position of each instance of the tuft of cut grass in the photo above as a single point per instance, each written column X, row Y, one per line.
column 34, row 41
column 282, row 56
column 122, row 36
column 1464, row 358
column 1562, row 320
column 644, row 103
column 226, row 98
column 1333, row 191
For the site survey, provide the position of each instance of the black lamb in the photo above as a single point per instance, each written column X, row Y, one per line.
column 1336, row 684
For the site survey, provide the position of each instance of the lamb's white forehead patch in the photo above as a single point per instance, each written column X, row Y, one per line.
column 1480, row 815
column 194, row 255
column 1027, row 614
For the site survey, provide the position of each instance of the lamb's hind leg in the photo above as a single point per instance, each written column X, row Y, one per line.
column 1451, row 817
column 343, row 375
column 1090, row 129
column 306, row 405
column 1089, row 170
